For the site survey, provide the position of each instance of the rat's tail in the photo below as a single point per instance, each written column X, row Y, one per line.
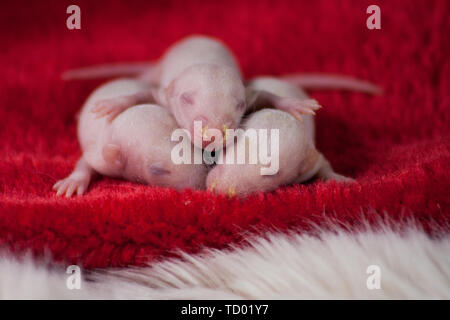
column 331, row 81
column 108, row 71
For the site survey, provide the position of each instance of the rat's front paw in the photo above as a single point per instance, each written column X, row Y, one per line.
column 69, row 185
column 297, row 107
column 110, row 108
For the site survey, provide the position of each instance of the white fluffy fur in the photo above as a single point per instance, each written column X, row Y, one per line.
column 277, row 266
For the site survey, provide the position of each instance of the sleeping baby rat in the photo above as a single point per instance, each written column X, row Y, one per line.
column 197, row 79
column 135, row 146
column 297, row 157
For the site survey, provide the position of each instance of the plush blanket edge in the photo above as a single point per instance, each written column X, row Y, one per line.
column 371, row 264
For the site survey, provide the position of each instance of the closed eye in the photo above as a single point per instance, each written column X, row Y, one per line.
column 240, row 106
column 187, row 98
column 157, row 170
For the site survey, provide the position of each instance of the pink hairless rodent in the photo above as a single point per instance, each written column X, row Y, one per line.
column 197, row 78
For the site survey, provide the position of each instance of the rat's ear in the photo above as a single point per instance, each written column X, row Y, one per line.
column 170, row 91
column 113, row 155
column 163, row 95
column 159, row 95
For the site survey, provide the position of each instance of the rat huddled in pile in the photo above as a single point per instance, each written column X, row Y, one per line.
column 125, row 126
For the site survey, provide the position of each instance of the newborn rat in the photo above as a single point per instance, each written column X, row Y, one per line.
column 135, row 146
column 298, row 158
column 197, row 79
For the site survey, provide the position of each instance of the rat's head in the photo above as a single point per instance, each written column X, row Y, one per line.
column 158, row 167
column 142, row 149
column 212, row 94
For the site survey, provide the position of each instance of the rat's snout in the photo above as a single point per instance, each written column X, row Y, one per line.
column 200, row 132
column 214, row 180
column 218, row 133
column 221, row 180
column 226, row 127
column 208, row 132
column 199, row 125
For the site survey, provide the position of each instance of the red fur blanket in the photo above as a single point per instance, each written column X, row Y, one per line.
column 396, row 145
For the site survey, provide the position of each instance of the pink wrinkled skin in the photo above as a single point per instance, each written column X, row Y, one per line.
column 135, row 146
column 298, row 158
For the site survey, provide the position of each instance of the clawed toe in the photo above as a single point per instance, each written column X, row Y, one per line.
column 298, row 107
column 69, row 187
column 310, row 104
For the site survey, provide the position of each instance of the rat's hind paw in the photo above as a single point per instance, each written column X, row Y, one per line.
column 298, row 107
column 70, row 185
column 110, row 108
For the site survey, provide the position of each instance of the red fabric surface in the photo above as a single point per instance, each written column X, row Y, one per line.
column 395, row 145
